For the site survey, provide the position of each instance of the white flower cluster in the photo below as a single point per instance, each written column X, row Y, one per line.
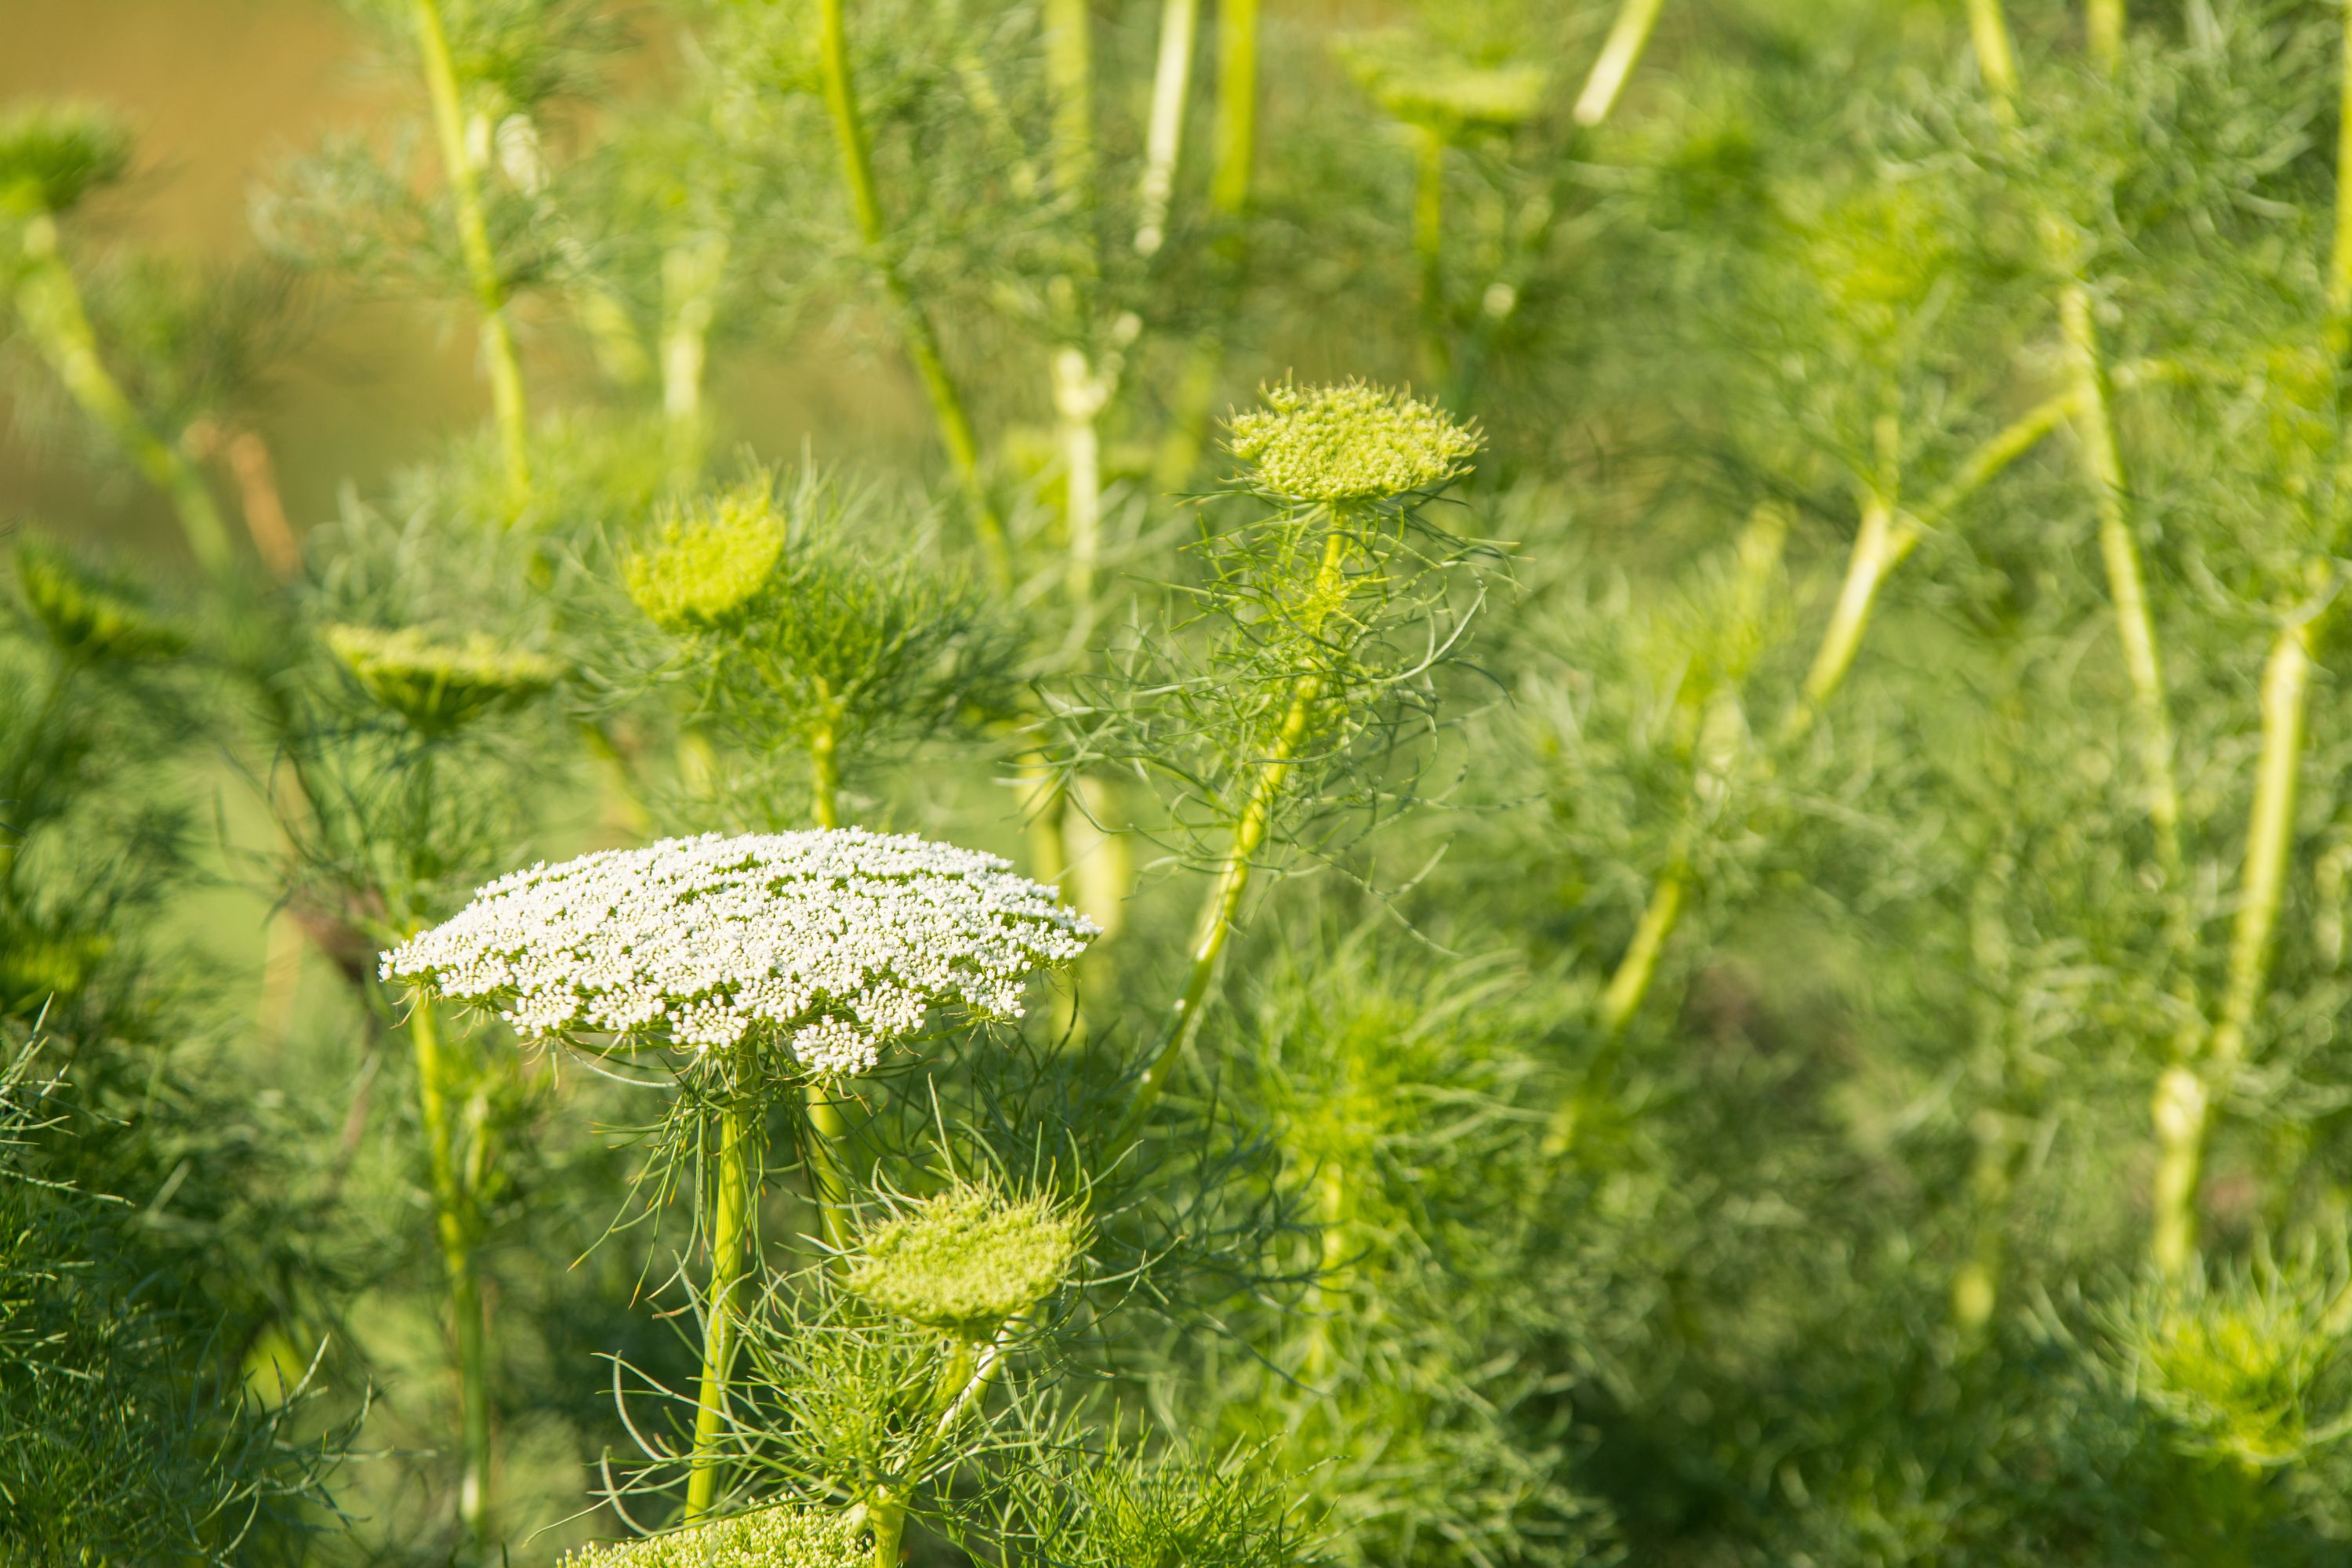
column 841, row 939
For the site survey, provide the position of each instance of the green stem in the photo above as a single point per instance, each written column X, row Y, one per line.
column 2185, row 1096
column 1630, row 983
column 921, row 340
column 691, row 273
column 1180, row 22
column 1079, row 395
column 453, row 1226
column 730, row 1233
column 1233, row 159
column 1429, row 245
column 2120, row 550
column 474, row 243
column 1996, row 59
column 2104, row 32
column 1868, row 565
column 2339, row 261
column 828, row 1164
column 887, row 1516
column 50, row 304
column 825, row 771
column 1070, row 83
column 2269, row 830
column 1331, row 1211
column 1619, row 54
column 1219, row 911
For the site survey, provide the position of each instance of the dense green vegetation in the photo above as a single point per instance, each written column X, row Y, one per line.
column 1656, row 687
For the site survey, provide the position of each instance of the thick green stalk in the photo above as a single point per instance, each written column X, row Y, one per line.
column 2104, row 32
column 825, row 771
column 1220, row 909
column 1070, row 83
column 2120, row 550
column 921, row 340
column 691, row 273
column 1171, row 82
column 453, row 1226
column 1429, row 245
column 828, row 1162
column 2183, row 1108
column 1079, row 396
column 2339, row 262
column 1233, row 153
column 1996, row 59
column 1630, row 982
column 730, row 1229
column 1331, row 1215
column 1868, row 564
column 49, row 302
column 1628, row 34
column 886, row 1516
column 474, row 242
column 2269, row 830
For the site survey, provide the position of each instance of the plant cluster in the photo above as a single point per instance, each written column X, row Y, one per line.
column 1557, row 785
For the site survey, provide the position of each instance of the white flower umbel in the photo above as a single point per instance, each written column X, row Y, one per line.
column 839, row 941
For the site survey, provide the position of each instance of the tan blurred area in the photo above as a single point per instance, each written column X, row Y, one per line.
column 219, row 91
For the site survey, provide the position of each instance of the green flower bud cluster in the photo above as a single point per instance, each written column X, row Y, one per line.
column 1354, row 442
column 2252, row 1370
column 83, row 619
column 1445, row 94
column 710, row 560
column 437, row 687
column 783, row 1537
column 52, row 156
column 967, row 1260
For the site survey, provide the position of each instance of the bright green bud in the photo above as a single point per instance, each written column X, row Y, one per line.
column 967, row 1260
column 784, row 1537
column 52, row 156
column 2252, row 1369
column 1354, row 442
column 709, row 562
column 437, row 687
column 83, row 618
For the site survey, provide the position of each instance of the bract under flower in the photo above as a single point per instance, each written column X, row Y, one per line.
column 839, row 941
column 83, row 618
column 52, row 156
column 783, row 1537
column 1349, row 443
column 438, row 685
column 1442, row 92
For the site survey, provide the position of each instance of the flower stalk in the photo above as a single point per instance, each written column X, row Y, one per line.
column 454, row 1224
column 2183, row 1114
column 49, row 303
column 730, row 1231
column 504, row 368
column 1172, row 81
column 1221, row 907
column 828, row 1165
